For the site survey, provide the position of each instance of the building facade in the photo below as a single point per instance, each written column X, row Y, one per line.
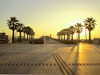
column 96, row 40
column 3, row 38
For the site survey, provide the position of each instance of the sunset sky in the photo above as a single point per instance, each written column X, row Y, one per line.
column 49, row 16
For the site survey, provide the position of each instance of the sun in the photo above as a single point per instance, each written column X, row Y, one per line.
column 84, row 33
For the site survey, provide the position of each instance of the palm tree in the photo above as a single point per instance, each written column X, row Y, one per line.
column 72, row 29
column 64, row 32
column 32, row 34
column 61, row 34
column 67, row 33
column 79, row 29
column 20, row 29
column 27, row 31
column 24, row 30
column 90, row 25
column 12, row 23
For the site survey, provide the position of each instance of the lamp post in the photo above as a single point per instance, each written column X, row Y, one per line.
column 85, row 34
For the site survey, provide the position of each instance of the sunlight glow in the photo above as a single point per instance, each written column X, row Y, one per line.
column 83, row 33
column 49, row 17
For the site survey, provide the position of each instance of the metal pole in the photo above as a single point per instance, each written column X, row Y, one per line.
column 86, row 34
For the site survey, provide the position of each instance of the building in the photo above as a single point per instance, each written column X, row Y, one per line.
column 3, row 38
column 96, row 40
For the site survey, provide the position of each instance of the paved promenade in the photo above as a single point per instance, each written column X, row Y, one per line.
column 51, row 59
column 51, row 41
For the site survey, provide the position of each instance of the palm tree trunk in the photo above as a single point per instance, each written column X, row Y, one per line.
column 72, row 37
column 24, row 35
column 78, row 36
column 31, row 37
column 67, row 37
column 61, row 37
column 89, row 36
column 20, row 35
column 13, row 36
column 27, row 36
column 64, row 37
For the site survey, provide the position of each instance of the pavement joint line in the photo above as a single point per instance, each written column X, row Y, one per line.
column 27, row 64
column 49, row 64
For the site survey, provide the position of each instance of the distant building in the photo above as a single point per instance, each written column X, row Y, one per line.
column 96, row 40
column 3, row 38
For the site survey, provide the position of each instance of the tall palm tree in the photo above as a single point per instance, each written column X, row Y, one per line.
column 64, row 32
column 72, row 30
column 79, row 29
column 12, row 23
column 20, row 29
column 90, row 25
column 32, row 34
column 27, row 31
column 61, row 34
column 24, row 30
column 67, row 33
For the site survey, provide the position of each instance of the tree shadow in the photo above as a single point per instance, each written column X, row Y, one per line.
column 96, row 46
column 72, row 49
column 76, row 60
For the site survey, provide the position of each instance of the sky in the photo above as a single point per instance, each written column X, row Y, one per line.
column 49, row 16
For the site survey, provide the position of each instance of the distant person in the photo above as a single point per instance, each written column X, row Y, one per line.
column 48, row 38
